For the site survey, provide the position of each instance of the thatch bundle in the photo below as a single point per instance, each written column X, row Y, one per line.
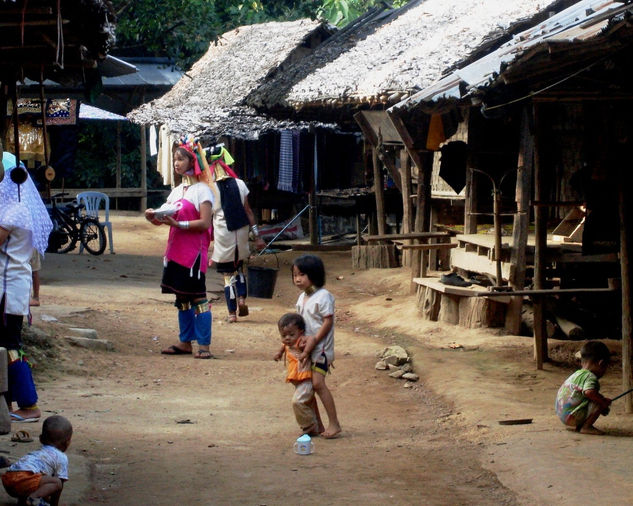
column 208, row 100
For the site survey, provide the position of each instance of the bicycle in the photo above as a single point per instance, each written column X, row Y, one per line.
column 70, row 225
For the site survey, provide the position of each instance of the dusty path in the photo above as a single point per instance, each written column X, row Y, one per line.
column 151, row 429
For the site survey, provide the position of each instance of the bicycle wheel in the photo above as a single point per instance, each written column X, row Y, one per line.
column 93, row 236
column 62, row 238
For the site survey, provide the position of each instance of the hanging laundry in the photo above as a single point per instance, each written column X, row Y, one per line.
column 285, row 161
column 153, row 144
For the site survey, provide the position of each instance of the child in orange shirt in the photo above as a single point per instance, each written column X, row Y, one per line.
column 292, row 328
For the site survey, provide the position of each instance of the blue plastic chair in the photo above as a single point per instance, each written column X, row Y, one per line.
column 92, row 201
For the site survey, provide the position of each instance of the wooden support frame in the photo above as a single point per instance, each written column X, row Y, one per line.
column 375, row 140
column 423, row 160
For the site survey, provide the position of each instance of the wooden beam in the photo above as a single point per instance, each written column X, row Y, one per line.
column 440, row 245
column 410, row 235
column 35, row 22
column 521, row 221
column 551, row 291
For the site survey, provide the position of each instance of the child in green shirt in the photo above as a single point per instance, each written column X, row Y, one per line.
column 579, row 402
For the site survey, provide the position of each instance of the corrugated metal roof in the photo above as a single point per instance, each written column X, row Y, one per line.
column 150, row 72
column 90, row 112
column 582, row 21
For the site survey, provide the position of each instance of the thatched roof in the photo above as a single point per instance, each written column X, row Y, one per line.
column 576, row 39
column 207, row 101
column 65, row 44
column 388, row 58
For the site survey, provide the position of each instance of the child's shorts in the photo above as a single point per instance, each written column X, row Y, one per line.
column 321, row 365
column 21, row 483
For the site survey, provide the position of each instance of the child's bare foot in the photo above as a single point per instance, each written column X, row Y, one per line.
column 332, row 432
column 592, row 431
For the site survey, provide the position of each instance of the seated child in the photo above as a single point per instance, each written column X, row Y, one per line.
column 579, row 402
column 38, row 478
column 292, row 328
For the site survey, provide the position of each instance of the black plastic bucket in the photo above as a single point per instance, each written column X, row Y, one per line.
column 261, row 281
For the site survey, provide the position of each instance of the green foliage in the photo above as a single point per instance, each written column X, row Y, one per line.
column 95, row 161
column 342, row 12
column 183, row 29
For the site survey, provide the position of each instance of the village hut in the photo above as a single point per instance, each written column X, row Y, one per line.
column 58, row 40
column 209, row 103
column 551, row 108
column 374, row 63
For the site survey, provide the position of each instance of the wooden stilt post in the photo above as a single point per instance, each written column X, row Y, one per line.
column 470, row 204
column 143, row 168
column 407, row 215
column 378, row 192
column 118, row 162
column 540, row 246
column 521, row 221
column 313, row 219
column 625, row 272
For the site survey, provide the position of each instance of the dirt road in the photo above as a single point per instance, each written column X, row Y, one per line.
column 152, row 429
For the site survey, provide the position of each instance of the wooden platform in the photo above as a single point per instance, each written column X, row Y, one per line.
column 465, row 306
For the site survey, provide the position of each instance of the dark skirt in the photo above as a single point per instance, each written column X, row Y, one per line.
column 228, row 267
column 183, row 280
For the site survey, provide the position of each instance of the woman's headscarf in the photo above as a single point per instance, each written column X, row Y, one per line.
column 24, row 209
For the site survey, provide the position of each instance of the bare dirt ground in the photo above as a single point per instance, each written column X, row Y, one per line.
column 153, row 429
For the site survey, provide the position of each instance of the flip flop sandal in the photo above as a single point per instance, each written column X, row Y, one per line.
column 232, row 318
column 17, row 418
column 174, row 350
column 21, row 436
column 203, row 355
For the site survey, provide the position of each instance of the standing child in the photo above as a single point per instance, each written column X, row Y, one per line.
column 292, row 329
column 579, row 402
column 316, row 305
column 38, row 478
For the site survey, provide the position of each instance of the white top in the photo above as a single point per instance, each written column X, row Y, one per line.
column 15, row 261
column 313, row 309
column 225, row 241
column 196, row 194
column 47, row 460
